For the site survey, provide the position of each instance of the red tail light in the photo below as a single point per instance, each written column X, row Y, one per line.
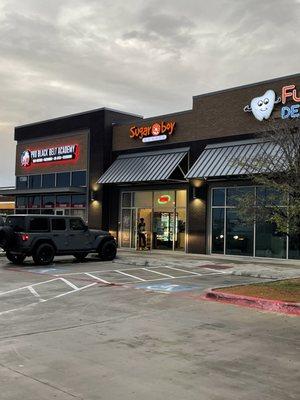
column 24, row 237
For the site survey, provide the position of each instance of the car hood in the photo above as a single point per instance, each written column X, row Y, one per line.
column 98, row 232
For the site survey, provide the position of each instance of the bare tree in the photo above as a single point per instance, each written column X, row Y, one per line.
column 275, row 169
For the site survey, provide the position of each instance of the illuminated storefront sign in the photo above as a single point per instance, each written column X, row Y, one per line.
column 156, row 132
column 262, row 106
column 50, row 154
column 164, row 199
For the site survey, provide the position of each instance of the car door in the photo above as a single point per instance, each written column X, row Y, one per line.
column 60, row 234
column 80, row 237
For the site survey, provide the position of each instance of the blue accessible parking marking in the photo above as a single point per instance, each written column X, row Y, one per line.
column 167, row 287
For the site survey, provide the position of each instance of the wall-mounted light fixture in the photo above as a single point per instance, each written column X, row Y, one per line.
column 93, row 195
column 196, row 193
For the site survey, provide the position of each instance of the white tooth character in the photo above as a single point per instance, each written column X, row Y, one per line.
column 262, row 106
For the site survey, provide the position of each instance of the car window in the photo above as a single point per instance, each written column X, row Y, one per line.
column 58, row 224
column 38, row 224
column 76, row 224
column 16, row 223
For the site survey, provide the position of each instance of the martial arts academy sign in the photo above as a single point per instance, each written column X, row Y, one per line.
column 49, row 155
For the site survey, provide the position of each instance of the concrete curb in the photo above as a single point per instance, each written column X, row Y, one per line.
column 253, row 302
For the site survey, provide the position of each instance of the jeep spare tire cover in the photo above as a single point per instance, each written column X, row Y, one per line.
column 7, row 236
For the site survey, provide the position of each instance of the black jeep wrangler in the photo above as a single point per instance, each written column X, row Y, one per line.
column 45, row 236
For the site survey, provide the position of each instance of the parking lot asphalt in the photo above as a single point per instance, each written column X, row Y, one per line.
column 103, row 330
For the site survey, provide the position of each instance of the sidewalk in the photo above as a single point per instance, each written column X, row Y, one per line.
column 244, row 266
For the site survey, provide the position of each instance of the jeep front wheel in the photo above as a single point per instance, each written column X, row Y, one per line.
column 44, row 254
column 15, row 258
column 108, row 251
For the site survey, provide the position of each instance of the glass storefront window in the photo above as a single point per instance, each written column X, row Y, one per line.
column 63, row 201
column 34, row 201
column 126, row 227
column 79, row 178
column 63, row 179
column 294, row 247
column 180, row 229
column 180, row 198
column 21, row 202
column 48, row 180
column 48, row 201
column 143, row 199
column 217, row 231
column 240, row 238
column 239, row 235
column 35, row 181
column 218, row 197
column 126, row 199
column 79, row 201
column 22, row 182
column 237, row 192
column 270, row 197
column 268, row 242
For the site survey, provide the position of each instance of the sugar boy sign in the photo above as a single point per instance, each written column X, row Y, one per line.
column 153, row 133
column 262, row 106
column 50, row 154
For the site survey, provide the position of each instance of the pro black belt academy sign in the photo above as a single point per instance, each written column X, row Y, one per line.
column 48, row 155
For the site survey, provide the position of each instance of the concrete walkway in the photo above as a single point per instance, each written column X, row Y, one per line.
column 244, row 266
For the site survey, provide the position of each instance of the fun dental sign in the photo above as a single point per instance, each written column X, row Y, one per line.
column 262, row 106
column 59, row 153
column 153, row 133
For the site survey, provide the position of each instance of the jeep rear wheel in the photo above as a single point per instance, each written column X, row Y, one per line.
column 15, row 258
column 80, row 256
column 7, row 236
column 44, row 254
column 108, row 251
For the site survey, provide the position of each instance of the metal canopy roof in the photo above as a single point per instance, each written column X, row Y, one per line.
column 144, row 167
column 235, row 158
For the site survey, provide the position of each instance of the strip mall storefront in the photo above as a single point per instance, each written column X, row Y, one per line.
column 174, row 171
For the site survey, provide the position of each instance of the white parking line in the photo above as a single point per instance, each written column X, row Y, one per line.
column 183, row 270
column 34, row 292
column 159, row 273
column 131, row 276
column 97, row 278
column 26, row 287
column 69, row 283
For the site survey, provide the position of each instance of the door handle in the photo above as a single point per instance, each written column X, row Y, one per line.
column 56, row 234
column 72, row 234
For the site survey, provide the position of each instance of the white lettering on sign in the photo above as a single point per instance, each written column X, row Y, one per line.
column 59, row 153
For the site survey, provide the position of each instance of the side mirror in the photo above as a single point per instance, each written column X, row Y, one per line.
column 86, row 228
column 2, row 221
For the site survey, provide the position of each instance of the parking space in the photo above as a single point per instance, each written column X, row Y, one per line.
column 67, row 278
column 115, row 330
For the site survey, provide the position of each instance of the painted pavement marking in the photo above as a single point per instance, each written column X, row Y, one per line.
column 69, row 283
column 131, row 276
column 159, row 273
column 97, row 278
column 34, row 292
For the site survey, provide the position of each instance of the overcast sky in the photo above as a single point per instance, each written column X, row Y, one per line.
column 142, row 56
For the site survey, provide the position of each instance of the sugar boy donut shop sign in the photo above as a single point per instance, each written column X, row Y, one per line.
column 153, row 133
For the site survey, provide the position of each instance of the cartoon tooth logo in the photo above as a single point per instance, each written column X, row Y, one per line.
column 263, row 106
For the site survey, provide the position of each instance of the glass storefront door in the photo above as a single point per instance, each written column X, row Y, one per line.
column 163, row 218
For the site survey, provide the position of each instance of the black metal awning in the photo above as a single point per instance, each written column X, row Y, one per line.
column 236, row 158
column 144, row 166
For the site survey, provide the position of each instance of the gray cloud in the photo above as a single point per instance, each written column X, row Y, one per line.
column 148, row 57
